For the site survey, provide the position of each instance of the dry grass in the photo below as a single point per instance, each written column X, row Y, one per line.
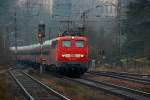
column 74, row 91
column 6, row 85
column 121, row 82
column 3, row 88
column 139, row 70
column 4, row 94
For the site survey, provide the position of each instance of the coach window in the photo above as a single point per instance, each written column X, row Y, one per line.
column 79, row 44
column 54, row 44
column 66, row 43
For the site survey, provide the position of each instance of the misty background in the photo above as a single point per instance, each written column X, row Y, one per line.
column 108, row 28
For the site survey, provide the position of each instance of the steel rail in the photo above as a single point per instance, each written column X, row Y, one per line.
column 48, row 88
column 120, row 76
column 133, row 74
column 21, row 86
column 29, row 84
column 125, row 92
column 124, row 73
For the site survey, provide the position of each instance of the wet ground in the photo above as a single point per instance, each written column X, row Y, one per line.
column 74, row 91
column 121, row 82
column 9, row 90
column 4, row 84
column 139, row 70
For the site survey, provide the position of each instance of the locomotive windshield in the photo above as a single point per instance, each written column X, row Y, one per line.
column 66, row 43
column 79, row 44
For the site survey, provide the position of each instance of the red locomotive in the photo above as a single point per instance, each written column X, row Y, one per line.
column 68, row 54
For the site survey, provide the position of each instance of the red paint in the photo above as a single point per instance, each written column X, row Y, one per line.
column 56, row 53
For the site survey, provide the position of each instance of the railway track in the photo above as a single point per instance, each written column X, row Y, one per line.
column 132, row 74
column 125, row 73
column 123, row 76
column 34, row 89
column 126, row 93
column 123, row 92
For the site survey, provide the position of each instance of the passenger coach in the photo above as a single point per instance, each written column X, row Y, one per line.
column 68, row 54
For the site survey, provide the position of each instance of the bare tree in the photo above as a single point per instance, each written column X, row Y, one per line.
column 4, row 51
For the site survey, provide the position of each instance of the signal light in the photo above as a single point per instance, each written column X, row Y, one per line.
column 41, row 30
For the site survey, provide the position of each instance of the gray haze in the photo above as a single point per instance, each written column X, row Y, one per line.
column 101, row 22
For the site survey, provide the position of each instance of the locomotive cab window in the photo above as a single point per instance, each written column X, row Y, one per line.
column 66, row 43
column 79, row 43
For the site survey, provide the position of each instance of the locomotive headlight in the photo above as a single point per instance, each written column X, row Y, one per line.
column 63, row 55
column 72, row 37
column 82, row 55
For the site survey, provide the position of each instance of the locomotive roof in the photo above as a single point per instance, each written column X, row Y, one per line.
column 70, row 37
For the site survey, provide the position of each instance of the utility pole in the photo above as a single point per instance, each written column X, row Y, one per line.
column 84, row 18
column 8, row 39
column 119, row 28
column 41, row 35
column 15, row 30
column 68, row 28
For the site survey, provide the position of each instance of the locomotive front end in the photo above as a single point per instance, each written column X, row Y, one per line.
column 73, row 54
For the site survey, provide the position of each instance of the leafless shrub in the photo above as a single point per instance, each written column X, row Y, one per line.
column 5, row 56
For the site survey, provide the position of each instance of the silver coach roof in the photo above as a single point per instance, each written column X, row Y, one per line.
column 32, row 46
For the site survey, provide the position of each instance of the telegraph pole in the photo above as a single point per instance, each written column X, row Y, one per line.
column 84, row 18
column 8, row 39
column 119, row 28
column 15, row 30
column 41, row 35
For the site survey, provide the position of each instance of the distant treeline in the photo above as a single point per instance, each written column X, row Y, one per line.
column 138, row 29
